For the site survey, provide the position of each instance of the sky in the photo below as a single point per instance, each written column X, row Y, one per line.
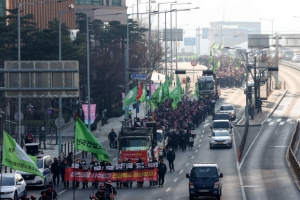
column 282, row 13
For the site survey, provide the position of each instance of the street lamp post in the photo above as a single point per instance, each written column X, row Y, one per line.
column 270, row 20
column 172, row 31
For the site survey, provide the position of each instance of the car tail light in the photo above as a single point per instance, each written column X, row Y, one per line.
column 191, row 185
column 216, row 185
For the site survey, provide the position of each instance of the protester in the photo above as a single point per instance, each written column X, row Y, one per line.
column 63, row 166
column 112, row 137
column 162, row 170
column 171, row 158
column 55, row 170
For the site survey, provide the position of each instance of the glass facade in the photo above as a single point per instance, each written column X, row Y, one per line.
column 89, row 2
column 116, row 2
column 2, row 8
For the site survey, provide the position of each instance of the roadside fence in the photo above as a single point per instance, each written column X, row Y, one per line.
column 290, row 154
column 243, row 142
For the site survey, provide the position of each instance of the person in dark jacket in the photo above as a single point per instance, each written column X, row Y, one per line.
column 162, row 170
column 252, row 108
column 63, row 166
column 44, row 196
column 84, row 166
column 171, row 158
column 70, row 159
column 55, row 170
column 259, row 103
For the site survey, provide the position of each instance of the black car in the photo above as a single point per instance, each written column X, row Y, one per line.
column 219, row 116
column 205, row 179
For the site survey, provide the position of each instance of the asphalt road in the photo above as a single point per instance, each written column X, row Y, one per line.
column 176, row 185
column 265, row 174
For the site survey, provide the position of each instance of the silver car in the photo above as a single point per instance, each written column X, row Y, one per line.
column 228, row 108
column 220, row 138
column 13, row 186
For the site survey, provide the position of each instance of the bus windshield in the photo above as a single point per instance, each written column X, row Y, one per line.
column 206, row 86
column 134, row 144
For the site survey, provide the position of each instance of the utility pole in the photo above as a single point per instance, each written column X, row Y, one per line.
column 276, row 59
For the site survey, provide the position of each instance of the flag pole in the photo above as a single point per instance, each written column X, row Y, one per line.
column 74, row 183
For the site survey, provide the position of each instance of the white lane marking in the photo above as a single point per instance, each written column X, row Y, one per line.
column 181, row 171
column 199, row 145
column 199, row 140
column 249, row 186
column 175, row 180
column 271, row 123
column 288, row 120
column 192, row 157
column 206, row 124
column 168, row 189
column 281, row 123
column 270, row 119
column 187, row 164
column 196, row 151
column 61, row 192
column 114, row 159
column 203, row 131
column 201, row 135
column 278, row 120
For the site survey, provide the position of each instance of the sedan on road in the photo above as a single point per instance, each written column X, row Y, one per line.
column 228, row 108
column 296, row 57
column 220, row 138
column 13, row 186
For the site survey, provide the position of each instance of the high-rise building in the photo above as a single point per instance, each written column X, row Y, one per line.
column 44, row 12
column 105, row 7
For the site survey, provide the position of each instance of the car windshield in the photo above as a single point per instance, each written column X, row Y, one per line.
column 229, row 107
column 204, row 172
column 206, row 86
column 134, row 144
column 221, row 125
column 39, row 164
column 224, row 133
column 221, row 116
column 7, row 181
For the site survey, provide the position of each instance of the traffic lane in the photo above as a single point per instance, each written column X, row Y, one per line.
column 264, row 171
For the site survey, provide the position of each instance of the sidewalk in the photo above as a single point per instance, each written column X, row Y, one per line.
column 268, row 107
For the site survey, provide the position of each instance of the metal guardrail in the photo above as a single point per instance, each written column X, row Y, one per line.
column 289, row 64
column 291, row 155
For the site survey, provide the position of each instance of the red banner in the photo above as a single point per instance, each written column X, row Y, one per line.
column 146, row 174
column 135, row 155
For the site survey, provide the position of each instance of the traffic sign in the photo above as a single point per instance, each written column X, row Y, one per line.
column 61, row 120
column 194, row 63
column 19, row 116
column 139, row 76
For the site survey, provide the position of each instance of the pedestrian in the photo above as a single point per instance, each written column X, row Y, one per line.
column 63, row 166
column 44, row 196
column 259, row 103
column 252, row 111
column 55, row 170
column 111, row 189
column 162, row 170
column 171, row 158
column 112, row 137
column 96, row 167
column 70, row 159
column 84, row 166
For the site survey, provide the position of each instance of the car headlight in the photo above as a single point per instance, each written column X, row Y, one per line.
column 216, row 185
column 228, row 140
column 8, row 192
column 191, row 185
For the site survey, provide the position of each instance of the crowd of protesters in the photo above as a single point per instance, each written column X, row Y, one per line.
column 230, row 73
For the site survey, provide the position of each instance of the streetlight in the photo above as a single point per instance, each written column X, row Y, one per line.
column 175, row 4
column 137, row 9
column 59, row 23
column 19, row 54
column 1, row 132
column 270, row 20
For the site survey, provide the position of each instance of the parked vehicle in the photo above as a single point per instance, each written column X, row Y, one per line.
column 13, row 186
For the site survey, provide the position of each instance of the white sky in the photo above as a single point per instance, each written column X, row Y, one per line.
column 283, row 13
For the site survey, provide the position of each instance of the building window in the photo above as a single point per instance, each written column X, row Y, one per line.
column 107, row 2
column 2, row 8
column 89, row 2
column 116, row 2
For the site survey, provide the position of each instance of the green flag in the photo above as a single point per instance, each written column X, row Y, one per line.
column 218, row 65
column 212, row 62
column 176, row 96
column 220, row 47
column 144, row 94
column 165, row 90
column 196, row 90
column 16, row 158
column 178, row 83
column 213, row 46
column 154, row 98
column 85, row 140
column 130, row 98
